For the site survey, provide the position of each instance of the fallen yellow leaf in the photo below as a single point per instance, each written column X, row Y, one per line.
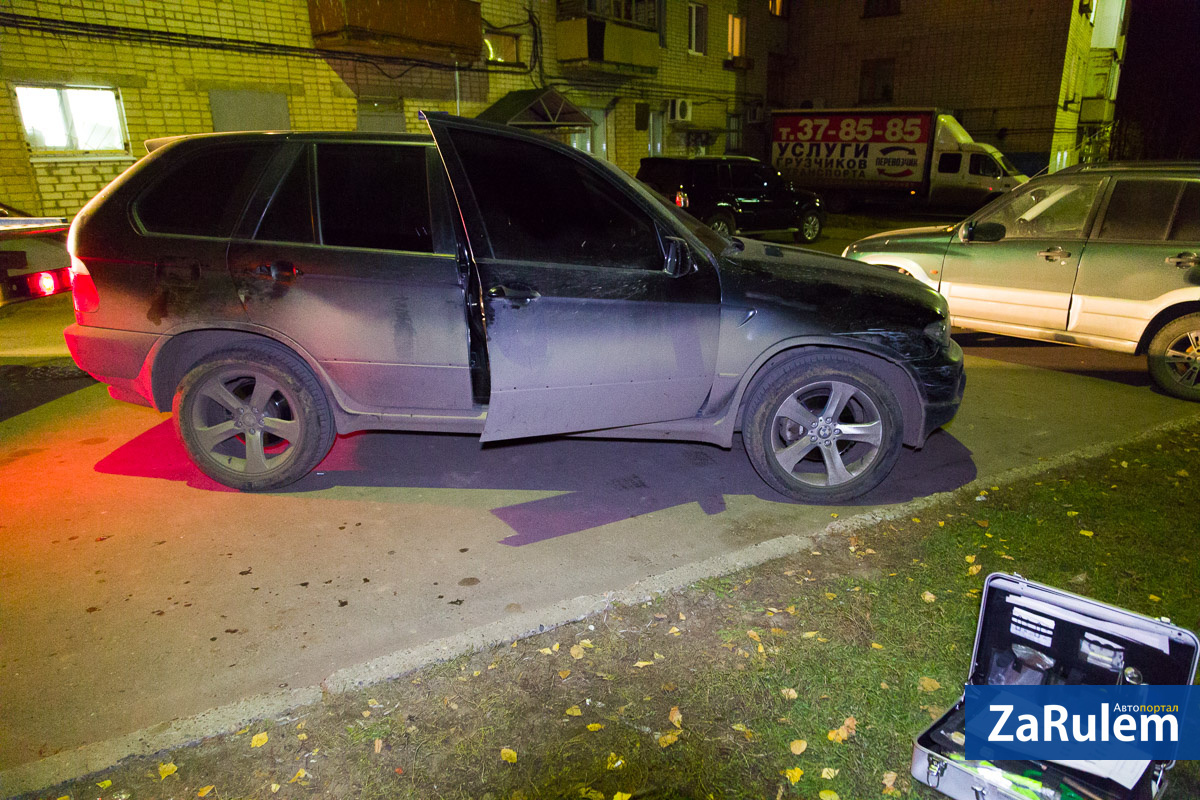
column 928, row 685
column 830, row 596
column 970, row 559
column 372, row 702
column 259, row 739
column 366, row 714
column 809, row 634
column 508, row 754
column 1088, row 534
column 300, row 773
column 1072, row 513
column 545, row 651
column 829, row 773
column 1155, row 598
column 753, row 635
column 104, row 784
column 659, row 656
column 674, row 631
column 640, row 664
column 554, row 647
column 889, row 781
column 166, row 770
column 929, row 597
column 788, row 694
column 798, row 746
column 378, row 747
column 595, row 726
column 974, row 569
column 243, row 730
column 576, row 652
column 828, row 794
column 675, row 717
column 564, row 673
column 205, row 790
column 274, row 788
column 302, row 736
column 615, row 761
column 876, row 646
column 574, row 711
column 668, row 739
column 837, row 735
column 622, row 796
column 794, row 774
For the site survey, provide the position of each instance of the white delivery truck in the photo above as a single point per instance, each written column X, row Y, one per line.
column 914, row 156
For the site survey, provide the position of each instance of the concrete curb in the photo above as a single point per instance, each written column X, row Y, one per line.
column 37, row 775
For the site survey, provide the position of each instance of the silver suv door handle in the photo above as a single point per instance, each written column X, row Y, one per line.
column 1054, row 254
column 1184, row 260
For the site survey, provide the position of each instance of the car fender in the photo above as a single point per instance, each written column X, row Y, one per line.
column 902, row 263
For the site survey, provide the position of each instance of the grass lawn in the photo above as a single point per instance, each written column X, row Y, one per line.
column 802, row 677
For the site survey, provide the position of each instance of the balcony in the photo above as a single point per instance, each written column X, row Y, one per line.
column 609, row 37
column 444, row 31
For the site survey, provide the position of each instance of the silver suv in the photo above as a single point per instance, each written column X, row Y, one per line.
column 1104, row 256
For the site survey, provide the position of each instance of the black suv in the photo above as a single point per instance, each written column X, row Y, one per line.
column 735, row 194
column 274, row 290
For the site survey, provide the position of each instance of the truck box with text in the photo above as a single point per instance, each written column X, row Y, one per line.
column 912, row 156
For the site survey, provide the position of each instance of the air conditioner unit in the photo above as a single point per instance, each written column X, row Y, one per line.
column 680, row 110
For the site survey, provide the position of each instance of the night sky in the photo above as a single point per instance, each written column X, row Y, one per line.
column 1158, row 97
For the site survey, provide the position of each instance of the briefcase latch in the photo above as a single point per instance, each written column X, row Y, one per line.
column 934, row 770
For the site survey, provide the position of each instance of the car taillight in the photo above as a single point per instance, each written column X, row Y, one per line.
column 83, row 288
column 41, row 284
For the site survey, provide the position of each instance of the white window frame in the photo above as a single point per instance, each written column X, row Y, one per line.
column 697, row 19
column 72, row 148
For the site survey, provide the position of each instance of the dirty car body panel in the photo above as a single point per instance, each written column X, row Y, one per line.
column 492, row 282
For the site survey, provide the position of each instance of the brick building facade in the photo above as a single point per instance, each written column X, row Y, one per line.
column 1013, row 73
column 168, row 67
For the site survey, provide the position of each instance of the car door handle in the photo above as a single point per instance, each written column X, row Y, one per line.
column 516, row 294
column 1054, row 254
column 1184, row 260
column 278, row 271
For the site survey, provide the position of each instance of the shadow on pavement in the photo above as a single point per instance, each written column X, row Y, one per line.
column 1123, row 368
column 602, row 480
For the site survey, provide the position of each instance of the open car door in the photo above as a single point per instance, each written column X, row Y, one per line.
column 586, row 327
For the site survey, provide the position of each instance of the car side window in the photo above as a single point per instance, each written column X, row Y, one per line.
column 985, row 165
column 1186, row 226
column 205, row 194
column 1050, row 209
column 289, row 216
column 1140, row 209
column 545, row 206
column 950, row 163
column 374, row 196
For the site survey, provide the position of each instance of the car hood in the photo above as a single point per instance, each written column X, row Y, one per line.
column 844, row 296
column 905, row 240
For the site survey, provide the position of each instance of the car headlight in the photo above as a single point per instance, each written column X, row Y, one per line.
column 939, row 332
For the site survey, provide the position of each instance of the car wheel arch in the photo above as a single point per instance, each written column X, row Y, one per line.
column 1161, row 320
column 183, row 351
column 901, row 382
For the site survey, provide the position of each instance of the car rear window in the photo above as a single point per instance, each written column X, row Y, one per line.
column 374, row 195
column 1140, row 209
column 1187, row 216
column 205, row 193
column 665, row 176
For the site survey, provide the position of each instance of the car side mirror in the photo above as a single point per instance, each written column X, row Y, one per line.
column 985, row 232
column 678, row 260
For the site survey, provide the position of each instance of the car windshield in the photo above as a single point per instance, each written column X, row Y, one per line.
column 714, row 241
column 1009, row 167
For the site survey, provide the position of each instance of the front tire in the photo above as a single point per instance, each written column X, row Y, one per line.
column 1173, row 357
column 822, row 429
column 253, row 419
column 810, row 228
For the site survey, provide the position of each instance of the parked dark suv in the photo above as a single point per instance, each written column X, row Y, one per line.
column 274, row 290
column 735, row 194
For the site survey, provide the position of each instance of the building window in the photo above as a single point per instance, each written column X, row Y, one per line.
column 733, row 133
column 655, row 137
column 779, row 8
column 737, row 36
column 63, row 118
column 501, row 48
column 875, row 81
column 881, row 8
column 697, row 28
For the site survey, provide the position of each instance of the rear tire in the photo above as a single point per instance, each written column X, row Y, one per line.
column 822, row 429
column 254, row 418
column 1173, row 357
column 722, row 222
